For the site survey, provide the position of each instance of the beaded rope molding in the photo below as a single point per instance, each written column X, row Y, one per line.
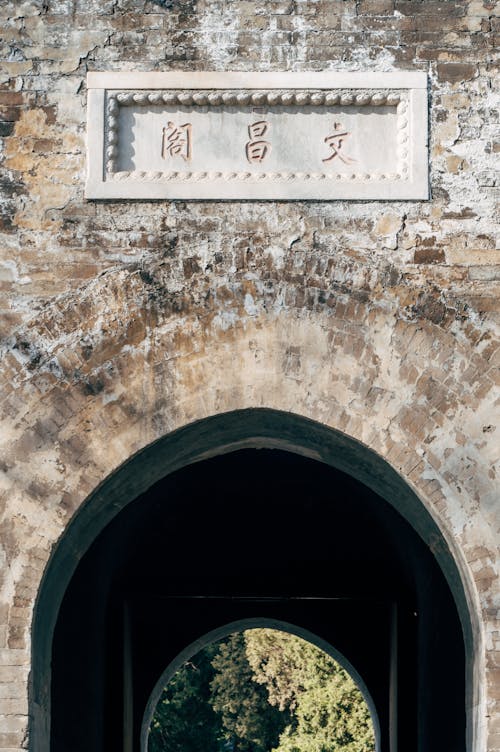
column 218, row 98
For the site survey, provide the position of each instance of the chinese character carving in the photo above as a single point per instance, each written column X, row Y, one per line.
column 336, row 143
column 257, row 149
column 176, row 141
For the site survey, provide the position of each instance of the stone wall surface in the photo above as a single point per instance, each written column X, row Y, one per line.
column 121, row 321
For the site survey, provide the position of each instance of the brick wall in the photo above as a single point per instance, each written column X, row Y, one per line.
column 123, row 320
column 49, row 46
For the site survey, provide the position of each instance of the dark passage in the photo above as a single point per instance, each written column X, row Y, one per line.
column 257, row 533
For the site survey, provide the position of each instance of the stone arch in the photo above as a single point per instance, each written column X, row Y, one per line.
column 239, row 626
column 135, row 359
column 199, row 441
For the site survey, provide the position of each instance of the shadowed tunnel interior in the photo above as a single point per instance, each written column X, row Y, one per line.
column 257, row 533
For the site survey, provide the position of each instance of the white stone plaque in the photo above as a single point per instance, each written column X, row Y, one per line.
column 257, row 136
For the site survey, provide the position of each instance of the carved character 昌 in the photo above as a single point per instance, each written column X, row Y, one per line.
column 257, row 149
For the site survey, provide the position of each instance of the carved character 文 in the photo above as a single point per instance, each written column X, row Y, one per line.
column 336, row 144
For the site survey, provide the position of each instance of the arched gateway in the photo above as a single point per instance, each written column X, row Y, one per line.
column 247, row 376
column 253, row 514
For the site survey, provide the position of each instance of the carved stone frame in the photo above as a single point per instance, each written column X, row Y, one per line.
column 407, row 92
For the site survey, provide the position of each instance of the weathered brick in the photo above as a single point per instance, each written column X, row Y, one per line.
column 429, row 256
column 375, row 7
column 111, row 311
column 455, row 72
column 484, row 273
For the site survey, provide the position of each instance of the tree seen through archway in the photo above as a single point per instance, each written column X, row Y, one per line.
column 261, row 690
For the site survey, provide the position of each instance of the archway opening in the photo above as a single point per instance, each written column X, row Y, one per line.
column 253, row 514
column 256, row 689
column 257, row 533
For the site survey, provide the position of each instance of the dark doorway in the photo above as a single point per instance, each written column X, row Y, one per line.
column 257, row 533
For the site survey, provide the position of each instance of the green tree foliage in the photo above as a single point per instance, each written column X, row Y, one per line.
column 329, row 713
column 184, row 720
column 261, row 690
column 250, row 723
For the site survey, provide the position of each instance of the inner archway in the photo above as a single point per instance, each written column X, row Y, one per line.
column 264, row 685
column 251, row 533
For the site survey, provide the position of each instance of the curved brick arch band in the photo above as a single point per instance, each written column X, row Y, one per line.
column 131, row 361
